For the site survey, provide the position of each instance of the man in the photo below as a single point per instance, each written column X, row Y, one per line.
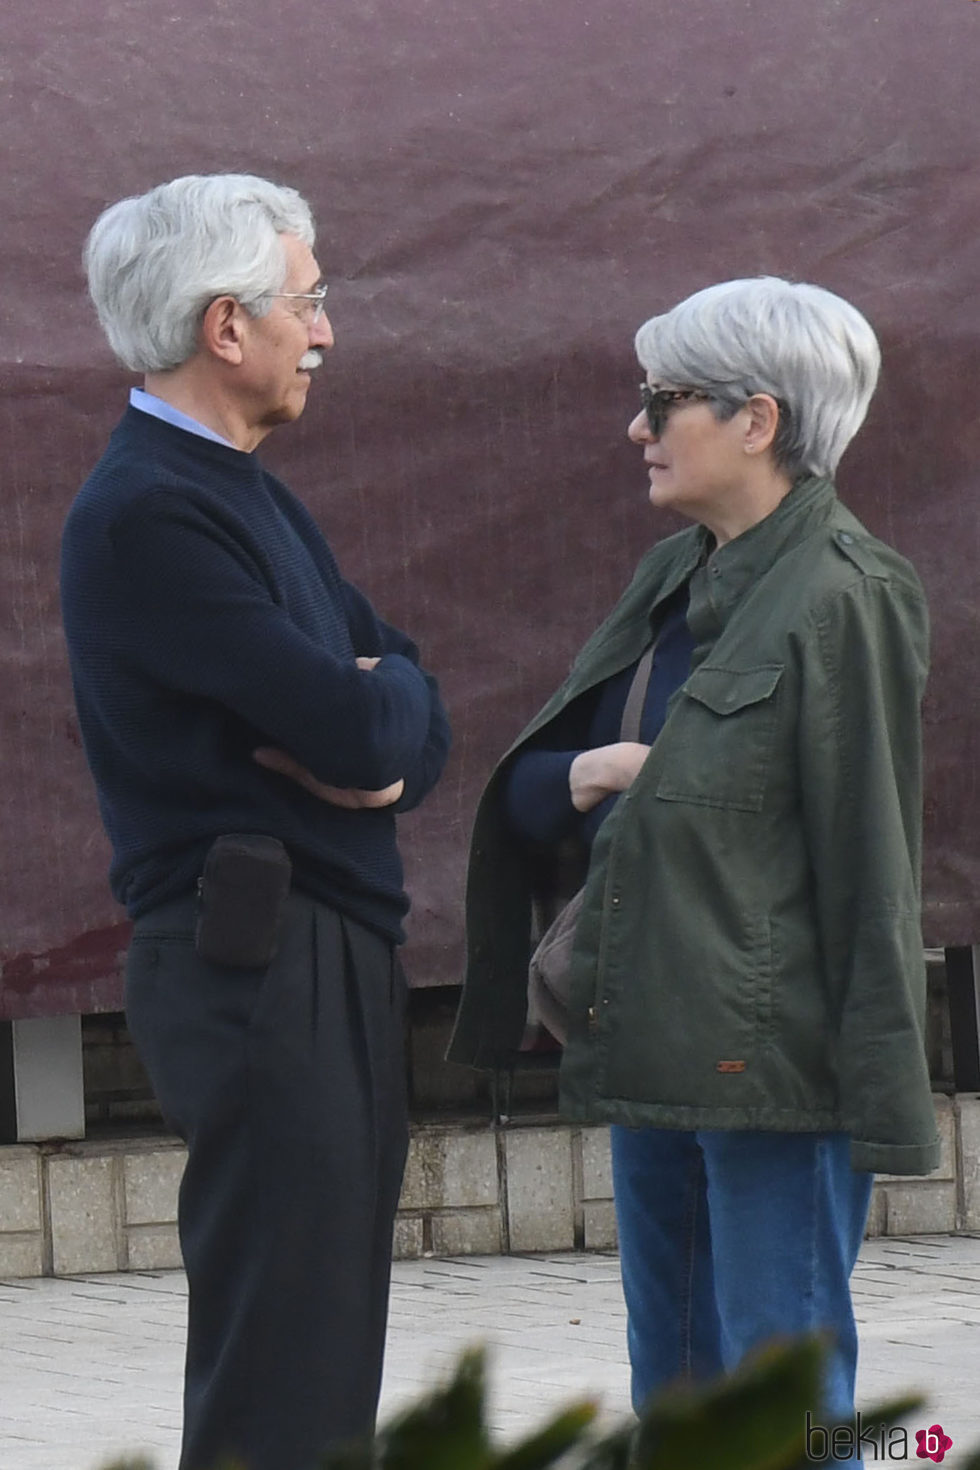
column 231, row 685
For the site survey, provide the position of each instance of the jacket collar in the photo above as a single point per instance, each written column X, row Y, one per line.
column 714, row 595
column 732, row 570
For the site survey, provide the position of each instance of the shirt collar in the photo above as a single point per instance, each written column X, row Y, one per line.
column 158, row 408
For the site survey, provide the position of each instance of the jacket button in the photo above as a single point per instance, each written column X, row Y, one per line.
column 615, row 902
column 845, row 538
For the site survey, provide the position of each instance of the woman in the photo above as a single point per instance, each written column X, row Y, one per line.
column 747, row 978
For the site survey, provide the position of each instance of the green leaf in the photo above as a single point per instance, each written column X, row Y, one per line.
column 754, row 1419
column 446, row 1430
column 547, row 1446
column 614, row 1452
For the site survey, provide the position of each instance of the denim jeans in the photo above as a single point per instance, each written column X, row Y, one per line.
column 730, row 1238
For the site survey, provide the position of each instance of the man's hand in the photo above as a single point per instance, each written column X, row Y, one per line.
column 596, row 774
column 350, row 797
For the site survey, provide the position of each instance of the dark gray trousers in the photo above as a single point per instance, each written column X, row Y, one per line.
column 288, row 1085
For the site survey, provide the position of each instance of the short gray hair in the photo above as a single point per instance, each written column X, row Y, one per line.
column 155, row 262
column 808, row 348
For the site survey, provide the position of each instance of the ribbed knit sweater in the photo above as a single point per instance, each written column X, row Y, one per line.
column 205, row 616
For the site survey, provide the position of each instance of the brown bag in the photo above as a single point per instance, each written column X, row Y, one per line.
column 550, row 969
column 549, row 973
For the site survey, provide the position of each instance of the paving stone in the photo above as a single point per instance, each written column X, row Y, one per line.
column 153, row 1248
column 968, row 1109
column 408, row 1242
column 596, row 1164
column 84, row 1224
column 946, row 1124
column 20, row 1189
column 600, row 1225
column 21, row 1255
column 920, row 1207
column 878, row 1213
column 466, row 1232
column 111, row 1066
column 151, row 1183
column 539, row 1189
column 450, row 1169
column 90, row 1367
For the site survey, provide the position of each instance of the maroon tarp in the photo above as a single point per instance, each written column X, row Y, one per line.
column 505, row 189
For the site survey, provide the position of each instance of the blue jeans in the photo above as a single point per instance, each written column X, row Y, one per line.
column 729, row 1239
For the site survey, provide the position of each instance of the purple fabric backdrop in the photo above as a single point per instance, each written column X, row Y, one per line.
column 505, row 189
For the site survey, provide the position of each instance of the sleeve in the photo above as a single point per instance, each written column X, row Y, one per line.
column 864, row 673
column 537, row 797
column 204, row 621
column 423, row 773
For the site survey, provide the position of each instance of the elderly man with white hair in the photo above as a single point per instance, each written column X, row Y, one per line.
column 747, row 987
column 253, row 728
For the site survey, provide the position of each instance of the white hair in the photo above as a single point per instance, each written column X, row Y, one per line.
column 809, row 349
column 155, row 262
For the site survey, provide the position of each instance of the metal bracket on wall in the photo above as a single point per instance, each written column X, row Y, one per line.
column 41, row 1082
column 963, row 986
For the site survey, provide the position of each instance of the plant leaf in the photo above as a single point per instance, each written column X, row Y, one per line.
column 614, row 1451
column 446, row 1430
column 753, row 1419
column 547, row 1446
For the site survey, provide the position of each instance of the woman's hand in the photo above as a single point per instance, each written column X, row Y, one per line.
column 596, row 774
column 351, row 797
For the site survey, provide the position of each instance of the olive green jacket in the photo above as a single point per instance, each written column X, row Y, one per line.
column 749, row 953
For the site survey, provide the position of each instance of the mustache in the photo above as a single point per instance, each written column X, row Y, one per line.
column 310, row 360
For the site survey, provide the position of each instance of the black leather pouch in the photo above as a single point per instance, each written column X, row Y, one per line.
column 242, row 894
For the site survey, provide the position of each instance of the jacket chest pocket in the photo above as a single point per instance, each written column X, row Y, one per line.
column 721, row 736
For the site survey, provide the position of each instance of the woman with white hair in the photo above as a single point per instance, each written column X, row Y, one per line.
column 747, row 981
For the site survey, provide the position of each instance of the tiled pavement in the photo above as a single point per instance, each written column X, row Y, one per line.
column 90, row 1366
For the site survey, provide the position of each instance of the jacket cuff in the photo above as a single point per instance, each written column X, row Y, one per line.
column 894, row 1158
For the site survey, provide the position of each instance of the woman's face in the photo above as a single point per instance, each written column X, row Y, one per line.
column 697, row 462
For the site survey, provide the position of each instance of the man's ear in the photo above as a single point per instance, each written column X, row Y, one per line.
column 763, row 422
column 223, row 331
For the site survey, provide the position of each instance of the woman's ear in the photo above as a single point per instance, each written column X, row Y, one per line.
column 763, row 422
column 222, row 329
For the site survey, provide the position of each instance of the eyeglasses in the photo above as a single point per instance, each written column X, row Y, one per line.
column 658, row 403
column 309, row 314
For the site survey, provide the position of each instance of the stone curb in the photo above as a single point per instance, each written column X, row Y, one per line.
column 469, row 1190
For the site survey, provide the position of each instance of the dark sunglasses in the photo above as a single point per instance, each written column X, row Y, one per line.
column 658, row 403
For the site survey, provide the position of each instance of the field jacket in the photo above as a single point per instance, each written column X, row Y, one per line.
column 749, row 954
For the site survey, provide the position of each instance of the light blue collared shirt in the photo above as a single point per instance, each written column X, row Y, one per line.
column 160, row 409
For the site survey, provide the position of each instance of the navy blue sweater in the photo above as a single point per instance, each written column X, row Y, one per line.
column 205, row 616
column 539, row 799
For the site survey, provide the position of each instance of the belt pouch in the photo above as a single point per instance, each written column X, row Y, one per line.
column 242, row 893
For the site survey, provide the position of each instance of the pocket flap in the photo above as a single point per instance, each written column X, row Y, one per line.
column 725, row 691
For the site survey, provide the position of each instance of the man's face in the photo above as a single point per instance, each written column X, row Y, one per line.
column 283, row 347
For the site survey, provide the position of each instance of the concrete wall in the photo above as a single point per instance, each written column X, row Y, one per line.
column 469, row 1189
